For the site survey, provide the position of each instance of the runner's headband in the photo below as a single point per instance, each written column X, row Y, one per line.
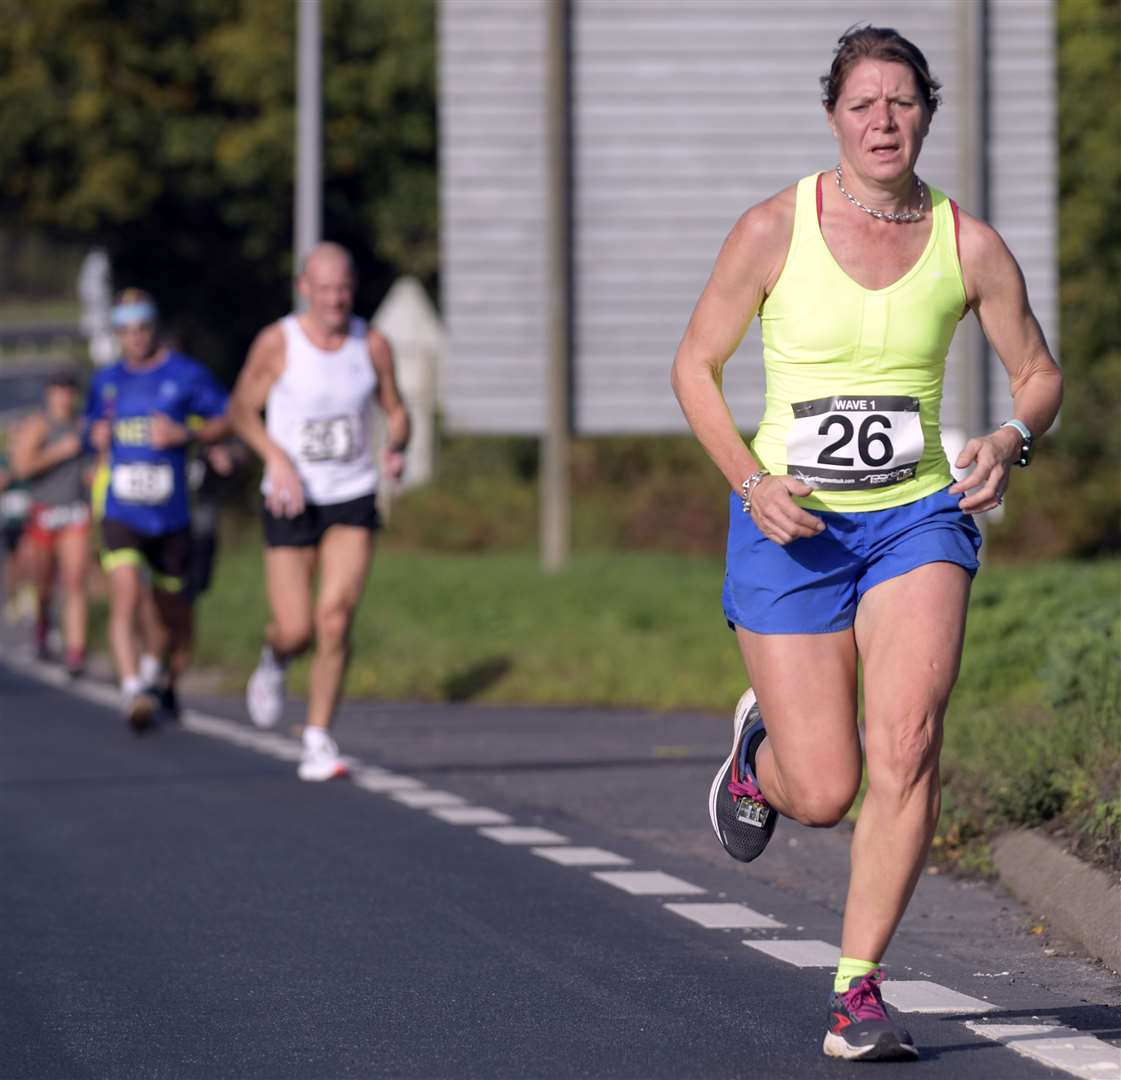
column 129, row 314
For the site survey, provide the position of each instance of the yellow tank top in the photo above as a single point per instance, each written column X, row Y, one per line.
column 854, row 375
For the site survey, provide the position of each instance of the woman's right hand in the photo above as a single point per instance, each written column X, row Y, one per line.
column 777, row 515
column 286, row 490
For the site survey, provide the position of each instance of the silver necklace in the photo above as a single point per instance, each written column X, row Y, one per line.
column 903, row 217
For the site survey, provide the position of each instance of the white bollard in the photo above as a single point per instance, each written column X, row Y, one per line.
column 409, row 321
column 95, row 291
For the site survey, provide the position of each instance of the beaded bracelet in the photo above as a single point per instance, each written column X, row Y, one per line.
column 749, row 486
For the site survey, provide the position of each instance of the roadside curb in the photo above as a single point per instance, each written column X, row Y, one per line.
column 1078, row 901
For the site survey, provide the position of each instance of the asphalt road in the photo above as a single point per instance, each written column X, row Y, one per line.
column 176, row 905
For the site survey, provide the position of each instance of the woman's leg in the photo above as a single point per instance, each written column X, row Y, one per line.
column 74, row 564
column 909, row 632
column 41, row 566
column 808, row 767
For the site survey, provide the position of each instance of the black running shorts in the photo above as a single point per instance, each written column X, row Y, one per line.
column 167, row 554
column 307, row 528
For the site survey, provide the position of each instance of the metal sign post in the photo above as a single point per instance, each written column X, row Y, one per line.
column 553, row 481
column 309, row 143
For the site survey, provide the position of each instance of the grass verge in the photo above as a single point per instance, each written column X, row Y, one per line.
column 1033, row 735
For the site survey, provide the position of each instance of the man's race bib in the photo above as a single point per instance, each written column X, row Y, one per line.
column 854, row 443
column 334, row 439
column 142, row 482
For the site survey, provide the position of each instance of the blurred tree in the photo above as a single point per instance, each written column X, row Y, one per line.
column 168, row 138
column 1069, row 502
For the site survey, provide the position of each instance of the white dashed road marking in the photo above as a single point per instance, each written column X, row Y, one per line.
column 382, row 783
column 799, row 952
column 423, row 798
column 581, row 856
column 919, row 996
column 471, row 815
column 648, row 883
column 523, row 834
column 725, row 916
column 1075, row 1053
column 1080, row 1055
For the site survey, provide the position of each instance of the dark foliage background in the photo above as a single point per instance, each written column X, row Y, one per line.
column 168, row 140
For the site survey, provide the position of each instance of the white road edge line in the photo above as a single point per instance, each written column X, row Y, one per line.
column 471, row 815
column 425, row 798
column 647, row 883
column 725, row 916
column 1084, row 1056
column 581, row 856
column 522, row 834
column 801, row 952
column 921, row 996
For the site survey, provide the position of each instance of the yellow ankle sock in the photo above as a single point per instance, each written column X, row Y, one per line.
column 848, row 969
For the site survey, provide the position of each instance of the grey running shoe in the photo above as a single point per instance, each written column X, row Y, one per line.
column 859, row 1027
column 741, row 818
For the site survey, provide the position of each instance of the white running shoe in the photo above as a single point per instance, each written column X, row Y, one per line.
column 321, row 760
column 150, row 670
column 264, row 694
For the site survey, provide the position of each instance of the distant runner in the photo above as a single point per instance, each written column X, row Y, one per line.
column 15, row 505
column 316, row 374
column 47, row 452
column 138, row 411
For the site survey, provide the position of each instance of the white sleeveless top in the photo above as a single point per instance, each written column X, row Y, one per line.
column 318, row 412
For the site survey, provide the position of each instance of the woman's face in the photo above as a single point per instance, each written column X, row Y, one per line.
column 880, row 120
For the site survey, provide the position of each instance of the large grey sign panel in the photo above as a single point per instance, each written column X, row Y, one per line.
column 685, row 112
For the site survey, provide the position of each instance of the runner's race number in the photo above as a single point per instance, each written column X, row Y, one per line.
column 334, row 439
column 143, row 483
column 843, row 443
column 65, row 516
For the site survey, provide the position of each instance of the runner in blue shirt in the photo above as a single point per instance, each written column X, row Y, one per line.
column 143, row 411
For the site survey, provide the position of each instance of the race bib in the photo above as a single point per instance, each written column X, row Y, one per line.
column 53, row 518
column 335, row 439
column 854, row 443
column 142, row 482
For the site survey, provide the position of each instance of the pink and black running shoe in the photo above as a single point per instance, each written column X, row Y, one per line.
column 860, row 1028
column 741, row 818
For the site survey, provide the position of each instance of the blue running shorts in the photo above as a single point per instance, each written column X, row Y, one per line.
column 813, row 585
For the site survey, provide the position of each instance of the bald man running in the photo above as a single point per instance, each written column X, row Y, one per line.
column 315, row 375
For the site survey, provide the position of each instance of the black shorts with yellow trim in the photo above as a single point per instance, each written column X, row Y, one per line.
column 168, row 555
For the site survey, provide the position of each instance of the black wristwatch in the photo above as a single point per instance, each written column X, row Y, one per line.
column 1026, row 440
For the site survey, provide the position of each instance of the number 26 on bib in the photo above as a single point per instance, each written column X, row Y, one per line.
column 841, row 443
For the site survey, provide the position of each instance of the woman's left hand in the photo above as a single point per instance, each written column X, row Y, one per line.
column 992, row 457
